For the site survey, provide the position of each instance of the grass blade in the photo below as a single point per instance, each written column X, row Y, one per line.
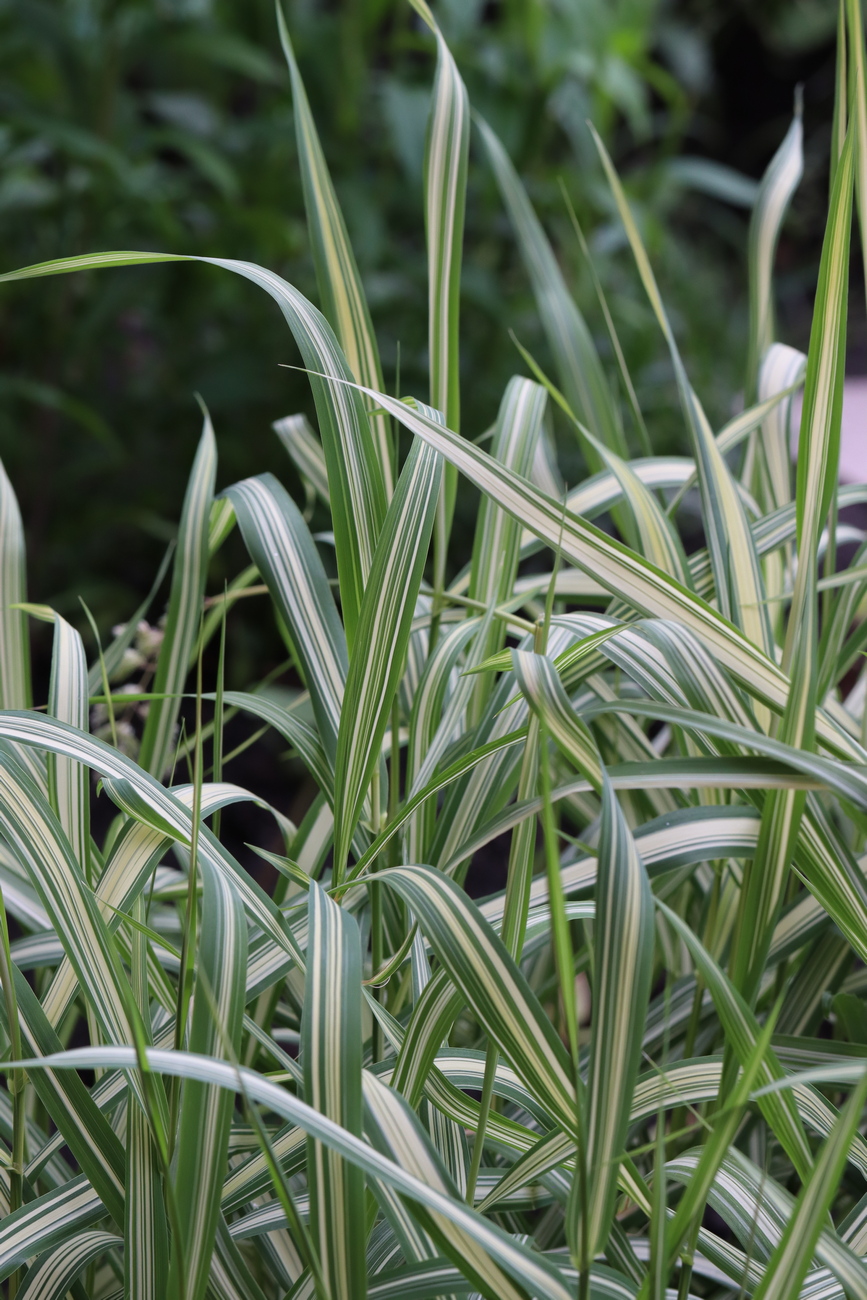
column 184, row 609
column 781, row 179
column 385, row 624
column 331, row 1030
column 206, row 1111
column 14, row 641
column 578, row 366
column 340, row 288
column 283, row 550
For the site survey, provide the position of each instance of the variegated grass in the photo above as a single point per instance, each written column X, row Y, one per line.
column 368, row 1081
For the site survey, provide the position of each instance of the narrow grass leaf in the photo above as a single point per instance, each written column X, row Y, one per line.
column 304, row 447
column 623, row 963
column 206, row 1111
column 14, row 640
column 340, row 287
column 781, row 179
column 331, row 1051
column 578, row 366
column 385, row 624
column 818, row 458
column 285, row 554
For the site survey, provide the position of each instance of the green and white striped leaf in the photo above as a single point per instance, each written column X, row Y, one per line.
column 206, row 1111
column 76, row 1116
column 496, row 544
column 304, row 447
column 739, row 586
column 396, row 1133
column 285, row 554
column 152, row 803
column 522, row 1264
column 340, row 288
column 53, row 1274
column 47, row 1222
column 331, row 1048
column 68, row 700
column 32, row 827
column 130, row 865
column 779, row 183
column 445, row 182
column 781, row 368
column 623, row 964
column 818, row 458
column 385, row 624
column 659, row 543
column 490, row 983
column 184, row 609
column 14, row 641
column 742, row 1034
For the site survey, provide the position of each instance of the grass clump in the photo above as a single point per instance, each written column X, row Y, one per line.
column 366, row 1081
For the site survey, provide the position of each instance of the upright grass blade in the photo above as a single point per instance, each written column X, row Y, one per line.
column 332, row 1084
column 779, row 183
column 445, row 188
column 852, row 87
column 184, row 609
column 354, row 472
column 437, row 707
column 623, row 959
column 497, row 538
column 280, row 544
column 68, row 701
column 340, row 288
column 781, row 368
column 447, row 149
column 145, row 1229
column 14, row 642
column 818, row 457
column 578, row 366
column 385, row 624
column 206, row 1111
column 623, row 962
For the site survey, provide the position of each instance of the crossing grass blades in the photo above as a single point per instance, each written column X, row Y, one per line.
column 638, row 1070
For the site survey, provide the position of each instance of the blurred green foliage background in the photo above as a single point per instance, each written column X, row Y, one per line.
column 167, row 124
